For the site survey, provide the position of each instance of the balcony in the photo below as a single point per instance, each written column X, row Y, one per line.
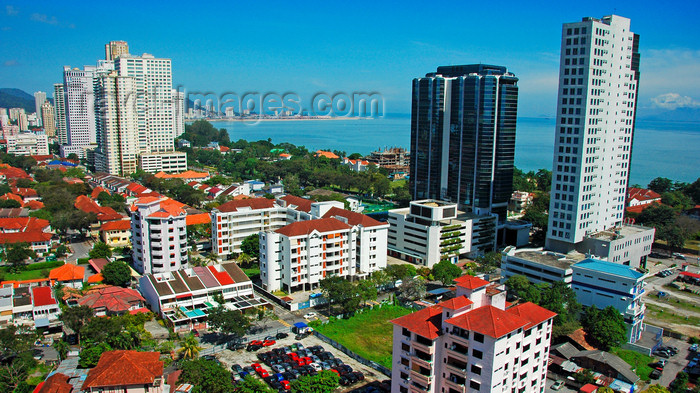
column 424, row 361
column 457, row 366
column 454, row 385
column 422, row 347
column 420, row 378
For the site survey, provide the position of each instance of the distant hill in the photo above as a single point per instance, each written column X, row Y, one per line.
column 16, row 98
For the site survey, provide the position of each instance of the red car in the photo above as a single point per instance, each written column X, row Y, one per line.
column 268, row 343
column 257, row 367
column 263, row 373
column 335, row 371
column 256, row 342
column 285, row 385
column 293, row 356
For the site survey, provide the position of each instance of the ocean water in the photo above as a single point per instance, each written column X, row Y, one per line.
column 667, row 149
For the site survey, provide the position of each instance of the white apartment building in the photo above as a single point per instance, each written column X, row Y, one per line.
column 48, row 119
column 23, row 122
column 117, row 128
column 171, row 162
column 80, row 108
column 429, row 231
column 537, row 265
column 115, row 49
column 59, row 100
column 472, row 343
column 598, row 82
column 28, row 144
column 39, row 99
column 604, row 284
column 626, row 244
column 178, row 113
column 183, row 297
column 158, row 236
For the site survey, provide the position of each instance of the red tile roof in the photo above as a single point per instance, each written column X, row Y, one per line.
column 489, row 321
column 532, row 313
column 67, row 272
column 184, row 175
column 322, row 225
column 28, row 237
column 470, row 282
column 24, row 224
column 136, row 188
column 56, row 383
column 642, row 194
column 118, row 225
column 196, row 219
column 120, row 368
column 98, row 263
column 95, row 278
column 38, row 158
column 192, row 183
column 285, row 155
column 34, row 205
column 354, row 218
column 426, row 322
column 456, row 303
column 114, row 299
column 14, row 197
column 25, row 192
column 302, row 204
column 97, row 190
column 327, row 154
column 14, row 173
column 253, row 203
column 641, row 208
column 221, row 276
column 42, row 296
column 86, row 204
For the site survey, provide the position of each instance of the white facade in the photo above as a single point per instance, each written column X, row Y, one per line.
column 472, row 343
column 28, row 144
column 59, row 100
column 80, row 106
column 39, row 99
column 178, row 113
column 172, row 161
column 606, row 284
column 538, row 266
column 48, row 119
column 158, row 236
column 430, row 231
column 598, row 81
column 627, row 245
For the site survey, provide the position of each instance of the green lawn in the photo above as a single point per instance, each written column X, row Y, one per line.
column 252, row 272
column 24, row 275
column 662, row 314
column 638, row 361
column 398, row 183
column 369, row 334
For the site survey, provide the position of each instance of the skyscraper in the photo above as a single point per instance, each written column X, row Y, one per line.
column 463, row 137
column 178, row 113
column 39, row 99
column 115, row 49
column 598, row 82
column 80, row 110
column 48, row 119
column 60, row 102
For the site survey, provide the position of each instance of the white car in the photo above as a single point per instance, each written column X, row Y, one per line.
column 557, row 385
column 316, row 366
column 310, row 315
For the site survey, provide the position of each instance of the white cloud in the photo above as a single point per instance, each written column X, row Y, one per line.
column 43, row 18
column 11, row 10
column 673, row 101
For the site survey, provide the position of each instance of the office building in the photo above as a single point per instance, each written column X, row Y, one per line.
column 28, row 144
column 80, row 110
column 602, row 284
column 158, row 235
column 463, row 137
column 171, row 162
column 430, row 231
column 539, row 266
column 475, row 342
column 23, row 122
column 116, row 125
column 598, row 83
column 59, row 100
column 39, row 99
column 48, row 119
column 115, row 49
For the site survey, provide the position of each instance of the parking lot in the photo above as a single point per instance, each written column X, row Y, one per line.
column 244, row 358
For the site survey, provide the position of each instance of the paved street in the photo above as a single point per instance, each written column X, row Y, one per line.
column 80, row 250
column 676, row 363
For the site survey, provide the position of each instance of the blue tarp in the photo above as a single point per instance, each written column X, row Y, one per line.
column 300, row 325
column 64, row 163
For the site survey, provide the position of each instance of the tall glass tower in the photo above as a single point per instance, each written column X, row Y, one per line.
column 463, row 137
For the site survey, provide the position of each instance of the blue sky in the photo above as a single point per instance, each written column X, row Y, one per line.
column 345, row 46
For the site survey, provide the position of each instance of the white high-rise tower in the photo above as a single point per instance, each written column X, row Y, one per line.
column 598, row 82
column 80, row 110
column 39, row 99
column 59, row 100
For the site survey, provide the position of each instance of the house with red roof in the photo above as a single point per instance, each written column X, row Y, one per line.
column 327, row 154
column 103, row 213
column 27, row 194
column 39, row 242
column 184, row 297
column 476, row 339
column 356, row 165
column 641, row 196
column 116, row 233
column 126, row 371
column 56, row 383
column 186, row 176
column 34, row 205
column 9, row 172
column 285, row 156
column 45, row 309
column 113, row 301
column 69, row 275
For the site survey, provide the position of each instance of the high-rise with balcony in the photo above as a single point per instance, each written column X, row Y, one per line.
column 39, row 99
column 475, row 342
column 598, row 83
column 48, row 118
column 115, row 49
column 158, row 235
column 59, row 100
column 80, row 110
column 463, row 137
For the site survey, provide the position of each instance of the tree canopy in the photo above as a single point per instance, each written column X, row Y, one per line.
column 445, row 271
column 606, row 327
column 226, row 321
column 324, row 382
column 251, row 246
column 100, row 250
column 117, row 273
column 207, row 376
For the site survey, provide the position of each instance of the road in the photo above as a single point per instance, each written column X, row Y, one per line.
column 676, row 363
column 80, row 250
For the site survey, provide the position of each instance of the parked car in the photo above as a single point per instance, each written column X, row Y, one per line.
column 310, row 315
column 661, row 354
column 694, row 348
column 679, row 255
column 235, row 346
column 655, row 374
column 558, row 385
column 285, row 384
column 281, row 335
column 237, row 368
column 268, row 343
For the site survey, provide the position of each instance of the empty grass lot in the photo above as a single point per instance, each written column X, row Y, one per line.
column 638, row 361
column 369, row 334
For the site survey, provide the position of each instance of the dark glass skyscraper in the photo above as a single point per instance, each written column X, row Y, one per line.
column 463, row 137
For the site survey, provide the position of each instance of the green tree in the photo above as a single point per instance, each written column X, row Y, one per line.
column 367, row 290
column 16, row 255
column 250, row 384
column 680, row 384
column 561, row 299
column 660, row 185
column 677, row 199
column 606, row 327
column 411, row 289
column 61, row 251
column 445, row 272
column 251, row 246
column 117, row 273
column 207, row 376
column 230, row 322
column 341, row 292
column 189, row 347
column 489, row 262
column 604, row 389
column 77, row 317
column 400, row 272
column 62, row 348
column 518, row 285
column 656, row 388
column 91, row 355
column 100, row 250
column 584, row 376
column 9, row 204
column 324, row 382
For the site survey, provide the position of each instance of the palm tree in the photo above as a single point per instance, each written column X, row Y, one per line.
column 189, row 347
column 244, row 259
column 62, row 348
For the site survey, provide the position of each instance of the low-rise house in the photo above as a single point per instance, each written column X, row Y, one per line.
column 45, row 310
column 127, row 371
column 69, row 275
column 606, row 364
column 327, row 154
column 56, row 383
column 356, row 165
column 113, row 301
column 116, row 233
column 184, row 297
column 186, row 176
column 641, row 196
column 39, row 242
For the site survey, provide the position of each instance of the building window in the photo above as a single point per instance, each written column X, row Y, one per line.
column 477, row 354
column 478, row 337
column 474, row 385
column 476, row 370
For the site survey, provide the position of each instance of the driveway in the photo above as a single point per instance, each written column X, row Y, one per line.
column 80, row 250
column 676, row 363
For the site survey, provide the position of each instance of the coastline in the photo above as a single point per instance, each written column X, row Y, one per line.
column 282, row 119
